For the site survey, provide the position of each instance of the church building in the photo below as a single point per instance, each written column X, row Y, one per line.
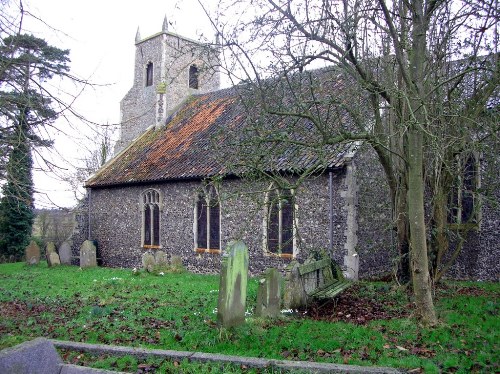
column 172, row 184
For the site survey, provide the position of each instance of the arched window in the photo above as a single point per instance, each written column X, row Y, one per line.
column 151, row 219
column 463, row 204
column 149, row 74
column 208, row 221
column 279, row 224
column 193, row 77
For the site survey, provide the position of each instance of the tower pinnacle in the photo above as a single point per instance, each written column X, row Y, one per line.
column 164, row 27
column 138, row 35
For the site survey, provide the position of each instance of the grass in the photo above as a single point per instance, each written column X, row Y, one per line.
column 178, row 311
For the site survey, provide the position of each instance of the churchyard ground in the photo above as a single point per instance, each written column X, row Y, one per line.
column 370, row 324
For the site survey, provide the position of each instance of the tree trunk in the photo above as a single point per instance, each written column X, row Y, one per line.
column 418, row 241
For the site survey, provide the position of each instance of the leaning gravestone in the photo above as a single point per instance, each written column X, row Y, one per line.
column 148, row 262
column 161, row 259
column 65, row 253
column 295, row 296
column 32, row 253
column 233, row 285
column 88, row 254
column 269, row 294
column 53, row 259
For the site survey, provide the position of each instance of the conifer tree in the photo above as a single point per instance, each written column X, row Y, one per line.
column 26, row 64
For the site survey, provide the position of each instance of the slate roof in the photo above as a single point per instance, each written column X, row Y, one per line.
column 213, row 133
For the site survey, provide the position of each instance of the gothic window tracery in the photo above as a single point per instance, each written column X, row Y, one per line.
column 151, row 219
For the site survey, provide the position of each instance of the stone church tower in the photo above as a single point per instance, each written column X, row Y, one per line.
column 168, row 69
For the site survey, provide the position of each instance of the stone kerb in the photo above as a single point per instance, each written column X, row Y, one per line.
column 65, row 253
column 233, row 285
column 32, row 253
column 269, row 294
column 88, row 256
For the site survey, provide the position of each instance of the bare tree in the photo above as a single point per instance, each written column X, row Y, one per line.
column 413, row 62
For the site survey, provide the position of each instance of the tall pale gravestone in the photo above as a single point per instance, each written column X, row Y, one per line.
column 269, row 294
column 32, row 253
column 233, row 285
column 65, row 253
column 88, row 256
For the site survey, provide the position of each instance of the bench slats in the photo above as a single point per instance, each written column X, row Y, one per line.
column 331, row 288
column 316, row 265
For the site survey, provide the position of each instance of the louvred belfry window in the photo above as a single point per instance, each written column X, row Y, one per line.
column 280, row 220
column 149, row 74
column 151, row 219
column 208, row 220
column 193, row 77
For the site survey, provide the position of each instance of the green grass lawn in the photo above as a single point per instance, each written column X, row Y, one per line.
column 178, row 311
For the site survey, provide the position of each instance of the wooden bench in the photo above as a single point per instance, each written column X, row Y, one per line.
column 319, row 280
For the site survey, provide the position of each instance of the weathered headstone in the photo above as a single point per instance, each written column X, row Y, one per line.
column 233, row 285
column 49, row 248
column 53, row 259
column 176, row 263
column 65, row 253
column 269, row 294
column 161, row 259
column 12, row 258
column 32, row 253
column 295, row 296
column 148, row 262
column 88, row 254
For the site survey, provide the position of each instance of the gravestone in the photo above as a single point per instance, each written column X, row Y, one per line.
column 49, row 248
column 148, row 262
column 233, row 285
column 35, row 356
column 269, row 294
column 53, row 259
column 12, row 258
column 65, row 253
column 295, row 296
column 161, row 259
column 88, row 254
column 176, row 263
column 32, row 253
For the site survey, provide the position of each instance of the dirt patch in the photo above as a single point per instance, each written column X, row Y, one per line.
column 351, row 306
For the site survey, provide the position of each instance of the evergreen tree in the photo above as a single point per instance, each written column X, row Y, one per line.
column 26, row 64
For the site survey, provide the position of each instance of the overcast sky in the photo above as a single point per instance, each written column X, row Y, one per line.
column 100, row 35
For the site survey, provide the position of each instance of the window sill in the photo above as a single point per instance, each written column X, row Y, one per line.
column 285, row 256
column 207, row 250
column 151, row 246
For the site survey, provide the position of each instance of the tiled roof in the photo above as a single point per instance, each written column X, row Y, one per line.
column 216, row 134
